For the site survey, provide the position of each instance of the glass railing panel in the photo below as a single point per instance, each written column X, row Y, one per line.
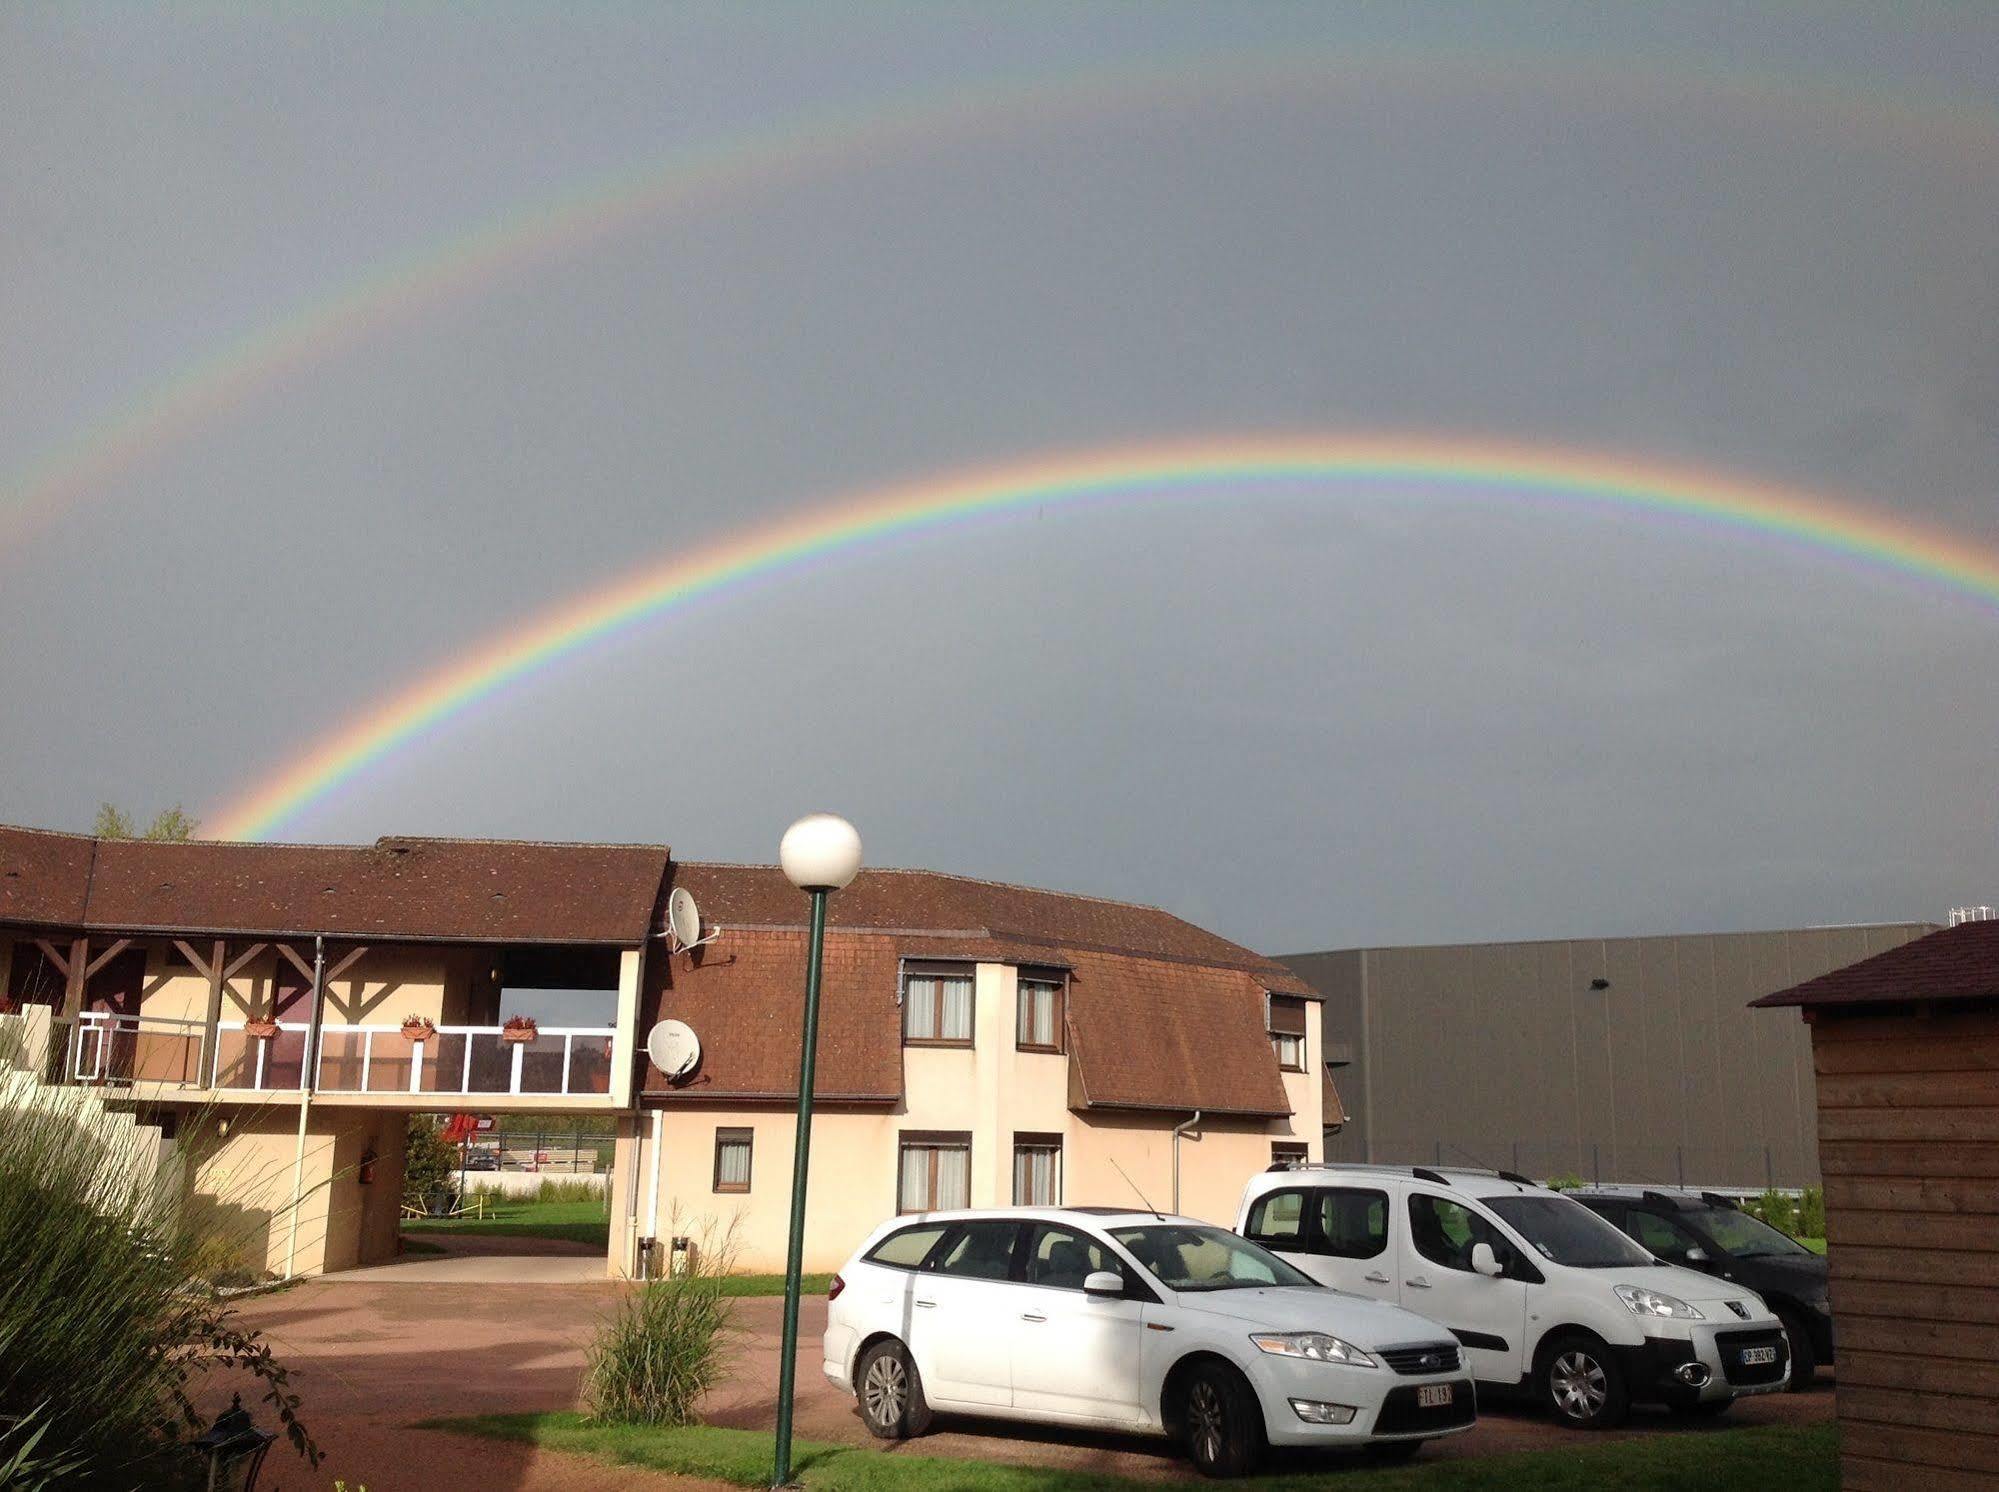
column 492, row 1064
column 444, row 1063
column 340, row 1054
column 590, row 1064
column 389, row 1062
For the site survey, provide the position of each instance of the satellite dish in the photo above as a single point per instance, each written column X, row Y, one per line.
column 683, row 918
column 674, row 1048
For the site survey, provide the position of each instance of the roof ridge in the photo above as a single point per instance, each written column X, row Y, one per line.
column 947, row 875
column 544, row 844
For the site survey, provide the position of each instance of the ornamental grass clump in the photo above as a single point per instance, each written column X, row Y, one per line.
column 662, row 1348
column 106, row 1326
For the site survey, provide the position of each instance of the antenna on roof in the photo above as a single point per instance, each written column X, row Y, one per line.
column 1137, row 1193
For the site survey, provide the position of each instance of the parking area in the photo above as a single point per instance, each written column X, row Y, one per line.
column 372, row 1357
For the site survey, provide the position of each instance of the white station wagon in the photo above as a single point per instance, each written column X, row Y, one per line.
column 1545, row 1295
column 1131, row 1321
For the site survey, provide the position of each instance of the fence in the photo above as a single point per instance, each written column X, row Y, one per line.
column 546, row 1152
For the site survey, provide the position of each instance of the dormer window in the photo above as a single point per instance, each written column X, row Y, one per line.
column 937, row 1004
column 1286, row 1024
column 1038, row 1024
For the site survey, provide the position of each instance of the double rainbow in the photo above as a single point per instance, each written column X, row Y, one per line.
column 1373, row 467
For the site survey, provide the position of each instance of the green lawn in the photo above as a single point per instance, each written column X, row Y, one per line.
column 1767, row 1459
column 1816, row 1245
column 578, row 1222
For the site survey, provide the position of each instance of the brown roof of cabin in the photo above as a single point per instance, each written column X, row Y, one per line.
column 1958, row 963
column 1162, row 1015
column 435, row 890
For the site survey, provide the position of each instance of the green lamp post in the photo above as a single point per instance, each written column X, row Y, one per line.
column 820, row 854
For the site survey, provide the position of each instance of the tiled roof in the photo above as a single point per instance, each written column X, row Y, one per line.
column 983, row 912
column 1958, row 963
column 1162, row 1015
column 442, row 890
column 1151, row 1035
column 44, row 877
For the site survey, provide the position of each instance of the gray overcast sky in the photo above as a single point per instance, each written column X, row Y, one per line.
column 1314, row 718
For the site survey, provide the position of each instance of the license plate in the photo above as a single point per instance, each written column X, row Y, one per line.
column 1434, row 1395
column 1756, row 1356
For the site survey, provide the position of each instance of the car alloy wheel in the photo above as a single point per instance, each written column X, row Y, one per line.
column 885, row 1390
column 1207, row 1422
column 1578, row 1386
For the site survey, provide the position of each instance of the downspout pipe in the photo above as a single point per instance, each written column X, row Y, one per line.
column 1178, row 1131
column 306, row 1077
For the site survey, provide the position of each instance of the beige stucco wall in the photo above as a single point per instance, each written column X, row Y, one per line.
column 993, row 1091
column 243, row 1181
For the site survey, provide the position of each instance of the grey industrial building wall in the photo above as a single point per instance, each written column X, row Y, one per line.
column 1501, row 1054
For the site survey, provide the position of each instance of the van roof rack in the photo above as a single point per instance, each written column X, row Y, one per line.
column 1424, row 1173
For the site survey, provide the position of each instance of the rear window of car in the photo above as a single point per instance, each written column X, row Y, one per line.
column 907, row 1248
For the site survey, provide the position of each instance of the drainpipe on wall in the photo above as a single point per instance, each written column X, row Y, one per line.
column 1178, row 1131
column 305, row 1096
column 652, row 1190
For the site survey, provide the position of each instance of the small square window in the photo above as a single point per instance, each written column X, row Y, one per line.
column 933, row 1172
column 732, row 1159
column 937, row 1005
column 1037, row 1170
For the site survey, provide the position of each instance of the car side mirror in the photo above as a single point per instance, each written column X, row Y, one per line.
column 1696, row 1257
column 1103, row 1282
column 1486, row 1262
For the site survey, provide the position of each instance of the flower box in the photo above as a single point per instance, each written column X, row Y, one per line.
column 260, row 1028
column 418, row 1029
column 519, row 1030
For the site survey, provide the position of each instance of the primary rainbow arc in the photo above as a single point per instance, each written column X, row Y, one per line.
column 1518, row 473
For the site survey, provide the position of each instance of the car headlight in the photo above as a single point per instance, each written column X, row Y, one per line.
column 1642, row 1302
column 1315, row 1345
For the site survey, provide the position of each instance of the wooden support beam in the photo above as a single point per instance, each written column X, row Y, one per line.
column 236, row 964
column 206, row 971
column 299, row 962
column 78, row 971
column 106, row 956
column 347, row 961
column 54, row 956
column 211, row 1019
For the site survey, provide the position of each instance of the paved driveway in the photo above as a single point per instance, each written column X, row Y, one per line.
column 374, row 1356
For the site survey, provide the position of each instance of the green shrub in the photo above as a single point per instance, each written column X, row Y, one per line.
column 662, row 1347
column 1779, row 1210
column 1568, row 1181
column 1811, row 1213
column 430, row 1162
column 105, row 1323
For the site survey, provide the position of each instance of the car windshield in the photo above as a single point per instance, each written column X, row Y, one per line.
column 1741, row 1236
column 1184, row 1256
column 1567, row 1232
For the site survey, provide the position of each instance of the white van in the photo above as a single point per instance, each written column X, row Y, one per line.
column 1544, row 1294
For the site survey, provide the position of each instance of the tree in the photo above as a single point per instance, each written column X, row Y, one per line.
column 113, row 822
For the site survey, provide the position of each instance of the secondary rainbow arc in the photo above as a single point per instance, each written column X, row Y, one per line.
column 398, row 289
column 1724, row 502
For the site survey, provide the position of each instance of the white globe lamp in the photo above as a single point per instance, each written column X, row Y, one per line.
column 821, row 852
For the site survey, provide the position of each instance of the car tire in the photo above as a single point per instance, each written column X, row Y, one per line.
column 1582, row 1382
column 1804, row 1361
column 889, row 1392
column 1221, row 1423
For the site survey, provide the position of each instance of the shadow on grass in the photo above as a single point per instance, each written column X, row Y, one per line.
column 1764, row 1459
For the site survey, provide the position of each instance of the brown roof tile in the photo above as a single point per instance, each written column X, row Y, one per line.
column 1959, row 963
column 1151, row 1035
column 443, row 890
column 744, row 995
column 925, row 901
column 44, row 877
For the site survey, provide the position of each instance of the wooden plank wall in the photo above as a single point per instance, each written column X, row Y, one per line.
column 1909, row 1142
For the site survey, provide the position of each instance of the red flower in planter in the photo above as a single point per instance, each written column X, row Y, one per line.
column 519, row 1028
column 260, row 1027
column 418, row 1028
